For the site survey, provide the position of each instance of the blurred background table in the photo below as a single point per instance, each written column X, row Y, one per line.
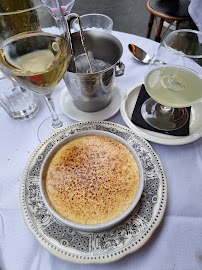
column 176, row 244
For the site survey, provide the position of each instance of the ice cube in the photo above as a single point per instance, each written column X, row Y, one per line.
column 83, row 66
column 82, row 63
column 99, row 65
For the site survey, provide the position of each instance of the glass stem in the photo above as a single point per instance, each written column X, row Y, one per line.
column 56, row 122
column 166, row 109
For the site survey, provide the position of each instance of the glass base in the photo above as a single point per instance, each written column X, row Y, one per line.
column 45, row 129
column 25, row 114
column 163, row 118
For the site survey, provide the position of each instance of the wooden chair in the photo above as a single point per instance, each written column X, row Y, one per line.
column 169, row 10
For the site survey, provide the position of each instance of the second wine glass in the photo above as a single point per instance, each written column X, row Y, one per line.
column 174, row 80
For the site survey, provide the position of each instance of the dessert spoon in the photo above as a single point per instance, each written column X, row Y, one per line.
column 139, row 54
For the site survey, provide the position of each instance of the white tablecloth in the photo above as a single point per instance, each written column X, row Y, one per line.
column 177, row 242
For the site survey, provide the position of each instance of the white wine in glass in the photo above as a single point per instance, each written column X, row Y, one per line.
column 174, row 80
column 36, row 60
column 36, row 56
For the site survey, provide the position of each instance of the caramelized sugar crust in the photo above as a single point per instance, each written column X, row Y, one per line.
column 92, row 179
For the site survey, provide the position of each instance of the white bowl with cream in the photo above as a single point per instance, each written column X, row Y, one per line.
column 91, row 180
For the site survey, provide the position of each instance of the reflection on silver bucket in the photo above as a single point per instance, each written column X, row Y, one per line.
column 92, row 92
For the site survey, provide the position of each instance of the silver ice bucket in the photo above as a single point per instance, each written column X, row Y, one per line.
column 92, row 92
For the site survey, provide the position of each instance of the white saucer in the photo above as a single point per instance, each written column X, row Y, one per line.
column 70, row 110
column 195, row 129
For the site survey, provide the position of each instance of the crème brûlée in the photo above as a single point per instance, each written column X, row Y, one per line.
column 92, row 179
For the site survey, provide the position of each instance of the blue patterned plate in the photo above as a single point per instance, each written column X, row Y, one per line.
column 95, row 247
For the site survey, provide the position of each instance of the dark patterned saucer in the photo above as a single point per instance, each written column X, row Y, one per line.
column 98, row 247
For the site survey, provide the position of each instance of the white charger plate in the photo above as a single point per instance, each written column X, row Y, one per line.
column 95, row 247
column 74, row 113
column 195, row 128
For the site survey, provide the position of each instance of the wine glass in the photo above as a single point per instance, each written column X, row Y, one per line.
column 66, row 6
column 35, row 50
column 174, row 80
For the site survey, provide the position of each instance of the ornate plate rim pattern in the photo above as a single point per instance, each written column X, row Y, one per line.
column 95, row 247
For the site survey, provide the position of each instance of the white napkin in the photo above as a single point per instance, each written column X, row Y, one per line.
column 195, row 11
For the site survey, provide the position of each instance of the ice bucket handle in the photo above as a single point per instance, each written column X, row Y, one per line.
column 119, row 68
column 71, row 17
